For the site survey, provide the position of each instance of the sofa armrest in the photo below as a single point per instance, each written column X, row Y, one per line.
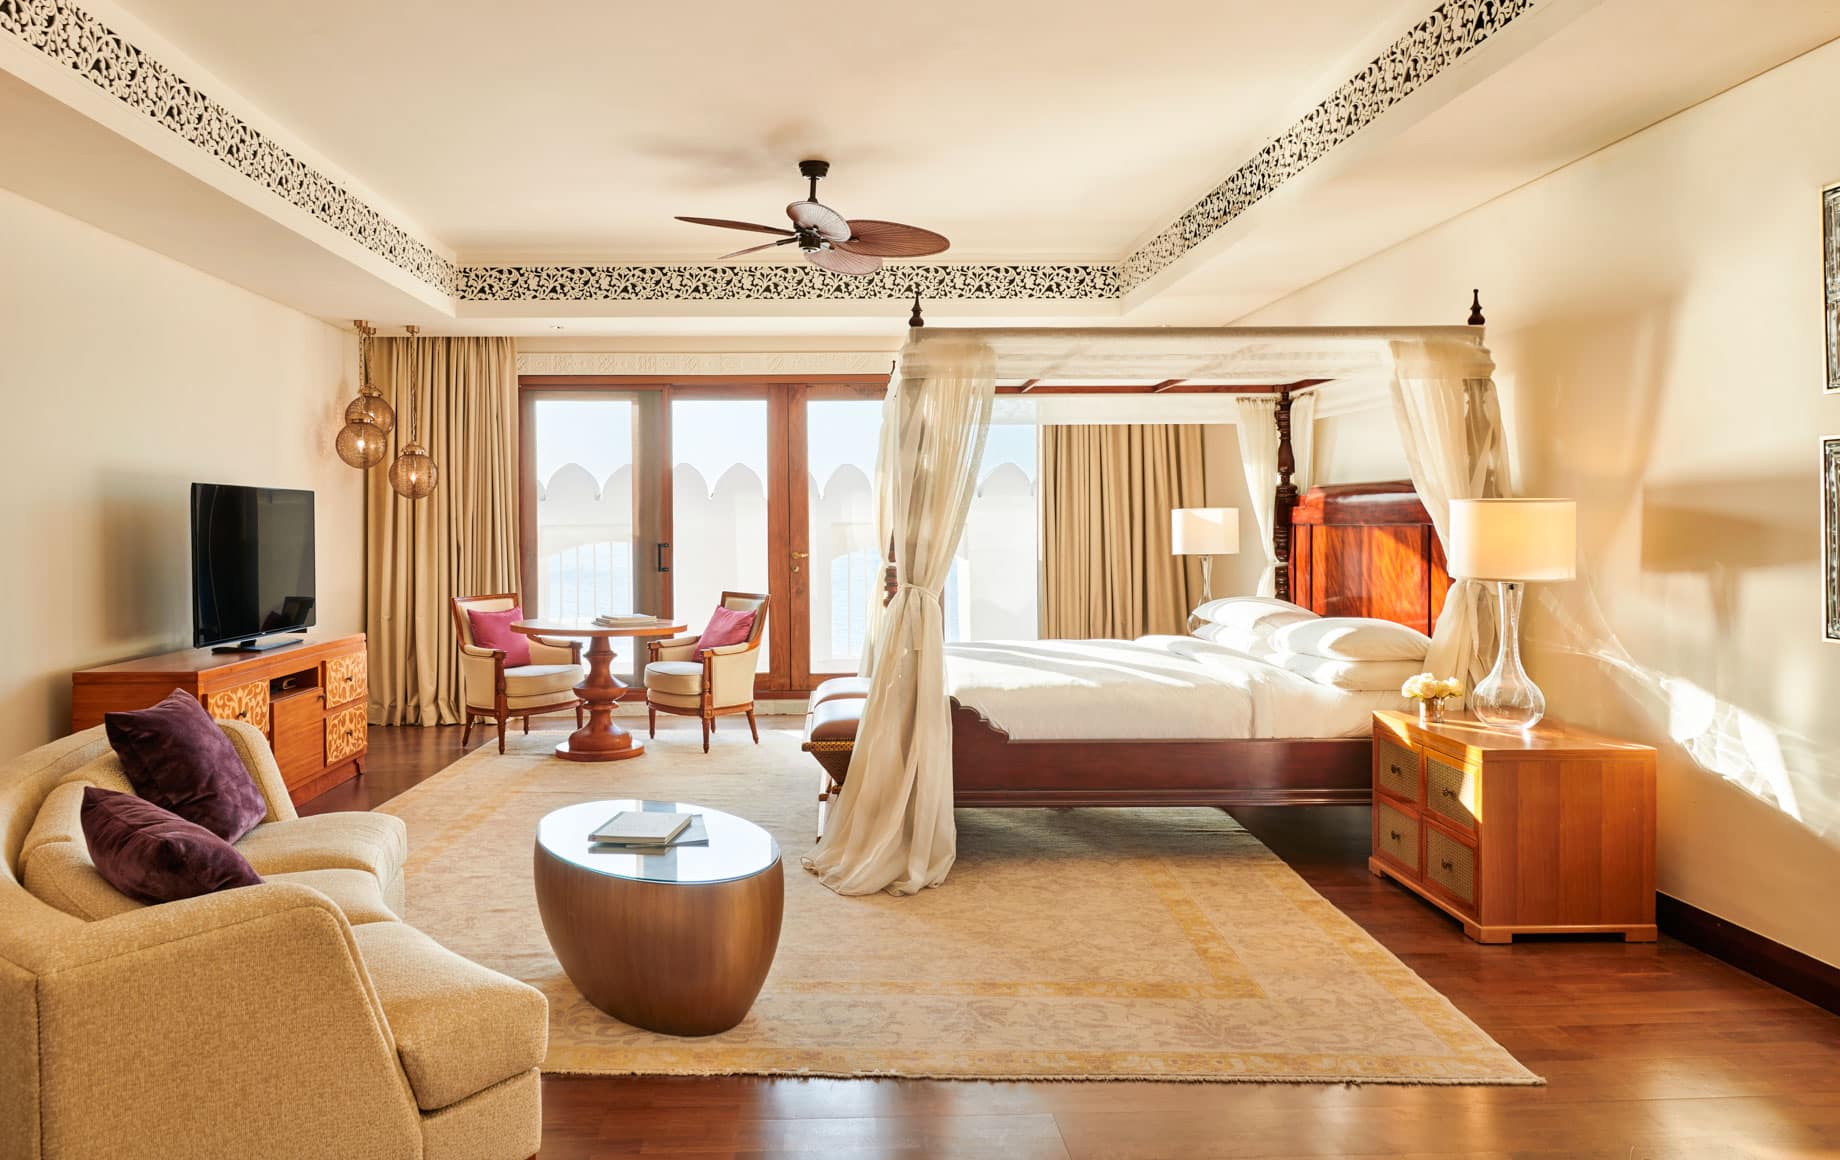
column 554, row 652
column 259, row 760
column 239, row 1023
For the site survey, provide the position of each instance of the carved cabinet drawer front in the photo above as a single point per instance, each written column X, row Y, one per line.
column 345, row 679
column 1396, row 835
column 247, row 703
column 1396, row 768
column 346, row 734
column 1451, row 865
column 1449, row 790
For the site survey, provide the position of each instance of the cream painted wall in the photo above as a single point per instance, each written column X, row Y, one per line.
column 126, row 377
column 1656, row 321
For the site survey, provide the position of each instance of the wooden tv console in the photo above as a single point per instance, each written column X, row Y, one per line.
column 309, row 699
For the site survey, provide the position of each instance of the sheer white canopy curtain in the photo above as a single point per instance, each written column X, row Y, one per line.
column 1449, row 418
column 1257, row 427
column 892, row 827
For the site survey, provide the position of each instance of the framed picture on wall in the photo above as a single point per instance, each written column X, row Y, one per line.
column 1830, row 267
column 1830, row 537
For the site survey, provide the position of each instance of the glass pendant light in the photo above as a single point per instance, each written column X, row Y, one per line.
column 414, row 473
column 368, row 418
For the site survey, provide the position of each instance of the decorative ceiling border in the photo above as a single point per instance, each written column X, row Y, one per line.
column 809, row 362
column 1451, row 32
column 68, row 35
column 73, row 38
column 775, row 283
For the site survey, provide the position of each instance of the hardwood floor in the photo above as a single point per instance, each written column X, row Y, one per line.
column 1651, row 1051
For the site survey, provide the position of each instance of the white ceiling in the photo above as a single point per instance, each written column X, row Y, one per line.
column 570, row 129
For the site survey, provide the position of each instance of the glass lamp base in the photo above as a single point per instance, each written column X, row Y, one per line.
column 1507, row 698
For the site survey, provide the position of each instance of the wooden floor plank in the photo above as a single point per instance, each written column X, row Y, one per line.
column 1650, row 1051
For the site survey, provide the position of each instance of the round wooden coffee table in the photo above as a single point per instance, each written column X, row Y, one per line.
column 600, row 739
column 678, row 942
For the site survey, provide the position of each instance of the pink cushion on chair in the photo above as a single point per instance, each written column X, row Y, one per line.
column 493, row 630
column 726, row 626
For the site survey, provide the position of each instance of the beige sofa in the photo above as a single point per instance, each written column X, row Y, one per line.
column 300, row 1017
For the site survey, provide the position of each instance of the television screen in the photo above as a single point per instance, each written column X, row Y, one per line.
column 252, row 562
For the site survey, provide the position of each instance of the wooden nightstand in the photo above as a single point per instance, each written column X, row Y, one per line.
column 1547, row 832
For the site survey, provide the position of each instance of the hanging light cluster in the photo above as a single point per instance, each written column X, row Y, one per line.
column 368, row 418
column 414, row 473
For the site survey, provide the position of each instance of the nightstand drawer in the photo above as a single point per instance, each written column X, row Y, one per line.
column 1396, row 768
column 1450, row 865
column 1450, row 790
column 1396, row 836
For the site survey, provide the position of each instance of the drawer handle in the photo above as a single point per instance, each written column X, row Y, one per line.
column 1445, row 863
column 1448, row 792
column 1395, row 834
column 1397, row 772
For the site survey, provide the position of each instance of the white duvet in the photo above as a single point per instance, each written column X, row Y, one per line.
column 1154, row 687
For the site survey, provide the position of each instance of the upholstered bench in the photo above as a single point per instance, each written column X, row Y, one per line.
column 830, row 732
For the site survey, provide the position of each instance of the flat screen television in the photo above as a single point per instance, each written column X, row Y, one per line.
column 252, row 565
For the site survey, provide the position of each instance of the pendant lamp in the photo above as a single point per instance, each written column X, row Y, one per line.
column 414, row 473
column 368, row 418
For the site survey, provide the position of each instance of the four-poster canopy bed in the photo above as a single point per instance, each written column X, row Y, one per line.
column 903, row 746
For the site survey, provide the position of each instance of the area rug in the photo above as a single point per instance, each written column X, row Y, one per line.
column 1067, row 944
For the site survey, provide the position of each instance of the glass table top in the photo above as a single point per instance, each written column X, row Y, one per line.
column 737, row 847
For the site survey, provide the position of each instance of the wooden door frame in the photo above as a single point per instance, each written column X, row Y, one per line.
column 788, row 509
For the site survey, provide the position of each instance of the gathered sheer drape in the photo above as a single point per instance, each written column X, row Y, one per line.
column 882, row 494
column 462, row 540
column 1106, row 495
column 892, row 827
column 1450, row 424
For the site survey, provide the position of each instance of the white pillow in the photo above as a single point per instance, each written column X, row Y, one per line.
column 1352, row 676
column 1352, row 638
column 1264, row 612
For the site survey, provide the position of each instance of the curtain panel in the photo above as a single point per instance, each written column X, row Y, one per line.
column 1106, row 495
column 1449, row 417
column 892, row 827
column 460, row 541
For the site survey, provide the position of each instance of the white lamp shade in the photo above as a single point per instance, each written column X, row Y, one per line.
column 1513, row 539
column 1204, row 531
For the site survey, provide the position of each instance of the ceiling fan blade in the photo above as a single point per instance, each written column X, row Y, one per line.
column 840, row 262
column 891, row 239
column 724, row 223
column 757, row 249
column 811, row 215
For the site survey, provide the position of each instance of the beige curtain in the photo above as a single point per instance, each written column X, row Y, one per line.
column 1106, row 495
column 892, row 828
column 460, row 541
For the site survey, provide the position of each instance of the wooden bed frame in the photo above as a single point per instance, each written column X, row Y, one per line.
column 1371, row 551
column 1364, row 549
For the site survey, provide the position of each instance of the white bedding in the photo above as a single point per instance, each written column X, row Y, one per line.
column 1154, row 687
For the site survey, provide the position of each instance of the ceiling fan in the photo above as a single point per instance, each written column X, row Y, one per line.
column 829, row 240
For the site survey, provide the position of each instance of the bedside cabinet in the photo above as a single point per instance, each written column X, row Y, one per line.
column 1551, row 831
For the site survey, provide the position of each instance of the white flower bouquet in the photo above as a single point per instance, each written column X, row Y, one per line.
column 1431, row 692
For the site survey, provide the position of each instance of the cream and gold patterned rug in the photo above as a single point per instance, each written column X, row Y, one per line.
column 1067, row 944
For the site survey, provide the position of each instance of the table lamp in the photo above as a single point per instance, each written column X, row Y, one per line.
column 1512, row 542
column 1204, row 532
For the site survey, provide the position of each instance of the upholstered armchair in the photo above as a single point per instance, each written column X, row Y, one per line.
column 493, row 689
column 719, row 684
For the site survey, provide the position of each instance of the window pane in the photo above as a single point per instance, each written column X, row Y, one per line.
column 719, row 498
column 990, row 593
column 584, row 507
column 841, row 438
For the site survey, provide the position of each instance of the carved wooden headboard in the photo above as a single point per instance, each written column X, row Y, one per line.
column 1367, row 549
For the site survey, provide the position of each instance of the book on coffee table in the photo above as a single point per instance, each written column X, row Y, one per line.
column 694, row 834
column 625, row 619
column 641, row 828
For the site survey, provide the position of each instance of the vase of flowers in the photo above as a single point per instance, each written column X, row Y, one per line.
column 1431, row 692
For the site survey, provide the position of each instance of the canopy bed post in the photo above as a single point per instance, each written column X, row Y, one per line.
column 1287, row 496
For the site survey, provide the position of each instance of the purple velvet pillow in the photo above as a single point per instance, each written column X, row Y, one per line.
column 493, row 630
column 176, row 757
column 154, row 855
